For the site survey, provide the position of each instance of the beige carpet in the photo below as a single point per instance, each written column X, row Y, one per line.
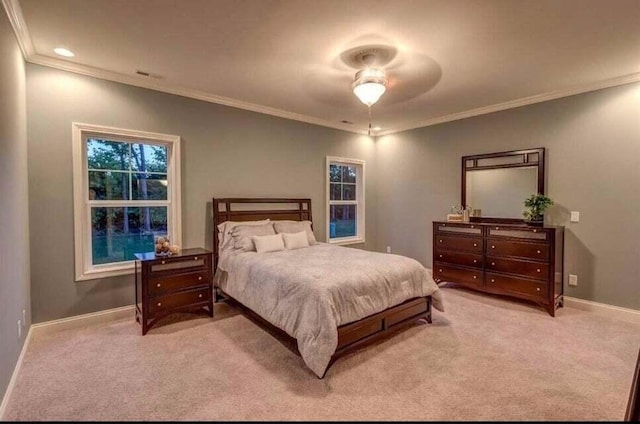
column 485, row 358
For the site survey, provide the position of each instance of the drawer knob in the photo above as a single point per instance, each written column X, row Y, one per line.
column 497, row 228
column 535, row 231
column 439, row 270
column 538, row 251
column 537, row 288
column 440, row 241
column 538, row 269
column 493, row 263
column 493, row 281
column 163, row 262
column 475, row 244
column 159, row 303
column 475, row 261
column 473, row 226
column 195, row 259
column 200, row 295
column 493, row 247
column 440, row 255
column 158, row 285
column 200, row 278
column 474, row 277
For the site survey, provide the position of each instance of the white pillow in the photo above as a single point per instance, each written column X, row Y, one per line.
column 266, row 244
column 295, row 227
column 295, row 240
column 225, row 228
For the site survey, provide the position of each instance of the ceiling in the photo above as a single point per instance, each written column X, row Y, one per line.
column 449, row 59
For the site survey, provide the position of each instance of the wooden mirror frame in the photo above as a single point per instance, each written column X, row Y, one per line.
column 521, row 159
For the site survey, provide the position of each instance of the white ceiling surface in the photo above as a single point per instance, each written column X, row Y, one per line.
column 453, row 56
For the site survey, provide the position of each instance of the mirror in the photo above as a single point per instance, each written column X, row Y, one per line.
column 497, row 184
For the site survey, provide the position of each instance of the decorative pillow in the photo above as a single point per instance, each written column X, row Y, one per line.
column 225, row 228
column 266, row 244
column 295, row 227
column 295, row 240
column 241, row 235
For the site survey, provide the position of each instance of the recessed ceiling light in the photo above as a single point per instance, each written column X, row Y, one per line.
column 63, row 52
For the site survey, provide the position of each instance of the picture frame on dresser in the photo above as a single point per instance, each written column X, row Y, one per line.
column 499, row 253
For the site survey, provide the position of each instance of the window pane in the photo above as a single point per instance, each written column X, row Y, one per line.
column 104, row 154
column 108, row 185
column 348, row 192
column 118, row 233
column 335, row 192
column 149, row 187
column 342, row 221
column 349, row 174
column 335, row 173
column 148, row 157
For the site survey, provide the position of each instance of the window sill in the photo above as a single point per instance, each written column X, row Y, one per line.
column 346, row 241
column 107, row 272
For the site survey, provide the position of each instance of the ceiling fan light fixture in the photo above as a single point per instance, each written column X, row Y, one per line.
column 370, row 85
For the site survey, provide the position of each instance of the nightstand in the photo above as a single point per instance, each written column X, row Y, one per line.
column 176, row 283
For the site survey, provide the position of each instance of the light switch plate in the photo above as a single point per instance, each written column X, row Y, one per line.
column 575, row 216
column 573, row 280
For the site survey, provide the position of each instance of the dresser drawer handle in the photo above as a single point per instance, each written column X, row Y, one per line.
column 159, row 303
column 473, row 226
column 538, row 269
column 493, row 247
column 163, row 262
column 439, row 270
column 535, row 231
column 493, row 281
column 200, row 278
column 538, row 251
column 475, row 244
column 474, row 277
column 537, row 288
column 493, row 263
column 440, row 240
column 158, row 285
column 195, row 259
column 475, row 261
column 497, row 228
column 200, row 295
column 440, row 255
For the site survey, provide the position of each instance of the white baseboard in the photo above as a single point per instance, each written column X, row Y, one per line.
column 14, row 376
column 59, row 325
column 85, row 319
column 625, row 314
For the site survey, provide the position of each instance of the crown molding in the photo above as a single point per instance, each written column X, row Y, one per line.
column 512, row 104
column 14, row 12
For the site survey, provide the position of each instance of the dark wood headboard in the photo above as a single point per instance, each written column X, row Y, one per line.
column 255, row 209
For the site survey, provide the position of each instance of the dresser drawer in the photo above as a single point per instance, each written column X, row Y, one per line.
column 536, row 270
column 538, row 251
column 178, row 282
column 177, row 300
column 517, row 286
column 457, row 275
column 459, row 258
column 180, row 265
column 533, row 234
column 471, row 229
column 471, row 244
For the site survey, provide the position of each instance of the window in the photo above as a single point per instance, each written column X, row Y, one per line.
column 126, row 193
column 345, row 200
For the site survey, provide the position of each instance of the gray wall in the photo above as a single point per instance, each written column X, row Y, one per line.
column 593, row 166
column 14, row 206
column 225, row 152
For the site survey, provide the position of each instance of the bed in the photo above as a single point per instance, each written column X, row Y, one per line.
column 323, row 299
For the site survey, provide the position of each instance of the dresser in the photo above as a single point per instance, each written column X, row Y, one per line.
column 177, row 283
column 517, row 260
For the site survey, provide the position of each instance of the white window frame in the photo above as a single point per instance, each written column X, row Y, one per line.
column 84, row 269
column 360, row 190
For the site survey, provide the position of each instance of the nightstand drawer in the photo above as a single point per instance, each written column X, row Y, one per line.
column 519, row 286
column 457, row 275
column 537, row 270
column 178, row 282
column 538, row 251
column 459, row 258
column 470, row 244
column 177, row 300
column 180, row 265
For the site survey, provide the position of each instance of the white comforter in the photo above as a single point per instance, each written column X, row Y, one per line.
column 309, row 292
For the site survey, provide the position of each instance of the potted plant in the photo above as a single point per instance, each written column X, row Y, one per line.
column 536, row 204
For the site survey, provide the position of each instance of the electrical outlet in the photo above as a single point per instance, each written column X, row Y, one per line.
column 575, row 216
column 24, row 317
column 19, row 330
column 573, row 280
column 388, row 249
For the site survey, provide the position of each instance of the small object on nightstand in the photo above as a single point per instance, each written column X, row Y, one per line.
column 180, row 282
